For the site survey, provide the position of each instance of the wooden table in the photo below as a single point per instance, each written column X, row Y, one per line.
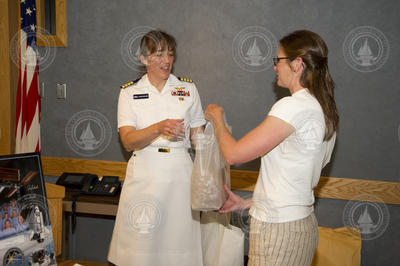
column 86, row 205
column 91, row 204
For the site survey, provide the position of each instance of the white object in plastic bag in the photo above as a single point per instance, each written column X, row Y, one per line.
column 210, row 173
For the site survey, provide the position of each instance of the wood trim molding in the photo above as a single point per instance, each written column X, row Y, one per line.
column 92, row 208
column 60, row 39
column 328, row 187
column 9, row 14
column 54, row 166
column 55, row 195
column 331, row 187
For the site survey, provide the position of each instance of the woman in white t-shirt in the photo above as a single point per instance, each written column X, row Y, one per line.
column 295, row 142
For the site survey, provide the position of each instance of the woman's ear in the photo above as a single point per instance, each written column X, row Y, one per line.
column 144, row 60
column 297, row 64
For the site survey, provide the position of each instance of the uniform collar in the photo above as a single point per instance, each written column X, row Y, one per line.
column 171, row 81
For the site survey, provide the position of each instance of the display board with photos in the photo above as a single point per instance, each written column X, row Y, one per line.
column 25, row 234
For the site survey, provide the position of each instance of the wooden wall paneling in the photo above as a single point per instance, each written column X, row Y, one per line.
column 55, row 195
column 60, row 39
column 348, row 189
column 56, row 166
column 9, row 19
column 328, row 187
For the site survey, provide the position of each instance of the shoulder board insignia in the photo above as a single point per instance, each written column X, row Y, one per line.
column 185, row 79
column 130, row 83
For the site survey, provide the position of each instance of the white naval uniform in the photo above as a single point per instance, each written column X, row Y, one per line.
column 155, row 224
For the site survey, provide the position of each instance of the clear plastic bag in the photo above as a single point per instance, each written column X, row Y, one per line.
column 210, row 173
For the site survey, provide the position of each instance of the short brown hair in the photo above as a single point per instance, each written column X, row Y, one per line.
column 157, row 39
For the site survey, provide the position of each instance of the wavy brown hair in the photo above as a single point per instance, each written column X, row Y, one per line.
column 311, row 48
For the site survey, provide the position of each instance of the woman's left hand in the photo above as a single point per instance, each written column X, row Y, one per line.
column 233, row 203
column 213, row 112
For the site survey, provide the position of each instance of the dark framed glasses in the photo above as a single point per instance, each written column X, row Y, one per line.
column 276, row 59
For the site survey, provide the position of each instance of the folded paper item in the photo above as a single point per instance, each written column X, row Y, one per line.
column 339, row 246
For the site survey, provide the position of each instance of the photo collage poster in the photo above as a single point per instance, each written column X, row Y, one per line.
column 25, row 234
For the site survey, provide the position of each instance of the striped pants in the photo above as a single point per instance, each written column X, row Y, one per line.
column 290, row 243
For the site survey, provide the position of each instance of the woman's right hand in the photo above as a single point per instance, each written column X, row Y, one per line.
column 171, row 127
column 137, row 139
column 234, row 202
column 213, row 113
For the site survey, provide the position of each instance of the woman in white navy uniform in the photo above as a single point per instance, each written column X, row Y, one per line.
column 157, row 115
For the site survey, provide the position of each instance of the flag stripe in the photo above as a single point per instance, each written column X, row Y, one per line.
column 27, row 133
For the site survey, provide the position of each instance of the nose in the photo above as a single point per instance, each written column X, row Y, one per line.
column 166, row 58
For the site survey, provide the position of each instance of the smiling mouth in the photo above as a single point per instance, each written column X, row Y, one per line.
column 165, row 68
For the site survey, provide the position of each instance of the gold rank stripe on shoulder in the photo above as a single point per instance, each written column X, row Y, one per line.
column 130, row 83
column 185, row 79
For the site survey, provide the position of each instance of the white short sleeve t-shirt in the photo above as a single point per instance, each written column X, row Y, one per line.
column 289, row 172
column 141, row 105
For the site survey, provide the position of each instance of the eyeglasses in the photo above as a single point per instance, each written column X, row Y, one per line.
column 276, row 59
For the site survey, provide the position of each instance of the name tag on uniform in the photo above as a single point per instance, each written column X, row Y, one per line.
column 140, row 96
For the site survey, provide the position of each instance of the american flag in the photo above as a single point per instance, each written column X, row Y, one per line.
column 27, row 133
